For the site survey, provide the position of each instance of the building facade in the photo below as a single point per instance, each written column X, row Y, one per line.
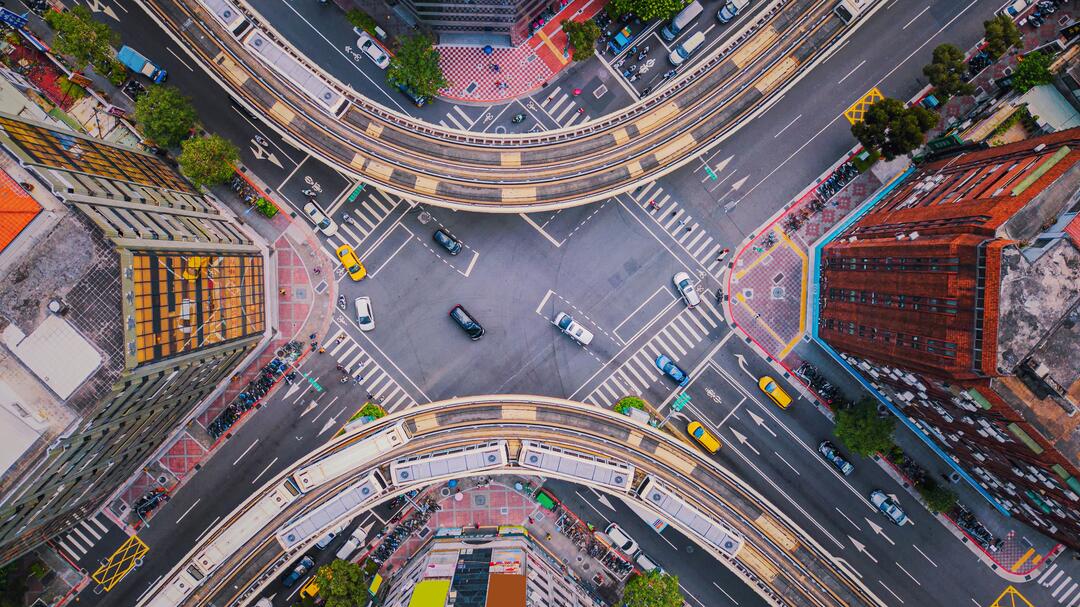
column 957, row 297
column 484, row 569
column 131, row 298
column 501, row 22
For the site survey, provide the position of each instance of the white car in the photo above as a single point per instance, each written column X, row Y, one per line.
column 372, row 50
column 887, row 506
column 623, row 542
column 364, row 317
column 356, row 539
column 321, row 221
column 573, row 329
column 686, row 289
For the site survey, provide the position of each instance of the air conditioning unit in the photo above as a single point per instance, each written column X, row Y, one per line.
column 913, row 236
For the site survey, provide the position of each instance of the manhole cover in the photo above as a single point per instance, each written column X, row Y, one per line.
column 321, row 287
column 424, row 217
column 500, row 130
column 777, row 293
column 585, row 566
column 479, row 500
column 472, row 87
column 748, row 293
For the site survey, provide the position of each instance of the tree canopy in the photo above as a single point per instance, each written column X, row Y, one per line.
column 862, row 430
column 583, row 36
column 645, row 10
column 652, row 589
column 80, row 37
column 165, row 114
column 893, row 129
column 946, row 71
column 416, row 65
column 209, row 160
column 1001, row 34
column 342, row 584
column 1033, row 70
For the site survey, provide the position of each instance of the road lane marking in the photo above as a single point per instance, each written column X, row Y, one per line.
column 730, row 598
column 847, row 519
column 795, row 118
column 908, row 574
column 549, row 237
column 890, row 591
column 915, row 17
column 264, row 470
column 472, row 263
column 841, row 81
column 180, row 59
column 924, row 555
column 192, row 506
column 245, row 452
column 789, row 465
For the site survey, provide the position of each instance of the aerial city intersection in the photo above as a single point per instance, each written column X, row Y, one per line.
column 641, row 303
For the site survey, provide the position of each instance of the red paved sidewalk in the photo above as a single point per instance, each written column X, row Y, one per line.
column 521, row 70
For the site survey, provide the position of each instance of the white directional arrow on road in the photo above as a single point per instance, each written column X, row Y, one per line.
column 602, row 498
column 294, row 388
column 878, row 530
column 739, row 436
column 98, row 6
column 740, row 183
column 264, row 154
column 861, row 548
column 761, row 422
column 742, row 365
column 330, row 423
column 310, row 406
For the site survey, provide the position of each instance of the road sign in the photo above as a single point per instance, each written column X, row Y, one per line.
column 356, row 193
column 710, row 173
column 680, row 402
column 13, row 19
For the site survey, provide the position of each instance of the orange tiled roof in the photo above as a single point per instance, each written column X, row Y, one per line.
column 17, row 209
column 1073, row 230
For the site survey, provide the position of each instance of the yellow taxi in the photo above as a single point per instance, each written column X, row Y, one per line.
column 773, row 390
column 703, row 437
column 351, row 262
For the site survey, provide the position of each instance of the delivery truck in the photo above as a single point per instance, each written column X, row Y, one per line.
column 135, row 61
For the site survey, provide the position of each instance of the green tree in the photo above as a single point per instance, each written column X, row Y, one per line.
column 582, row 36
column 80, row 37
column 165, row 114
column 1001, row 34
column 645, row 10
column 892, row 128
column 1033, row 70
column 208, row 160
column 342, row 584
column 629, row 402
column 652, row 589
column 416, row 65
column 361, row 20
column 938, row 498
column 946, row 71
column 862, row 430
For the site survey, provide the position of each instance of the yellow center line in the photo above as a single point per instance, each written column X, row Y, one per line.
column 805, row 267
column 551, row 45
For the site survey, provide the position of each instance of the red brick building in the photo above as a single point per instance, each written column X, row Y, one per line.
column 958, row 296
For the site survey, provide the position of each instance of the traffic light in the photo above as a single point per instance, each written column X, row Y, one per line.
column 680, row 402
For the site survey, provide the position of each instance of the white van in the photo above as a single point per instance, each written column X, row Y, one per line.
column 731, row 9
column 687, row 47
column 684, row 18
column 647, row 564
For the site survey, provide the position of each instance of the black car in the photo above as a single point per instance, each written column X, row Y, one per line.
column 466, row 322
column 447, row 241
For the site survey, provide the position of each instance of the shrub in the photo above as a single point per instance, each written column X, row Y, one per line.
column 938, row 498
column 361, row 20
column 629, row 402
column 265, row 207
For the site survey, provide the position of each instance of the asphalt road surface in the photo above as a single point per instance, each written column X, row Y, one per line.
column 609, row 265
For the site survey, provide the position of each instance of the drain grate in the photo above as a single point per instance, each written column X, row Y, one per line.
column 472, row 87
column 779, row 277
column 777, row 293
column 748, row 293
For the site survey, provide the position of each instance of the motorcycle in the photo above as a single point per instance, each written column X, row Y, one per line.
column 309, row 193
column 518, row 118
column 348, row 219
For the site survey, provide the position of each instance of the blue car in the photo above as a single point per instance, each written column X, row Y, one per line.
column 669, row 368
column 298, row 572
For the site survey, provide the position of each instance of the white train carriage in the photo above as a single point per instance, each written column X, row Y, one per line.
column 346, row 503
column 310, row 84
column 176, row 591
column 240, row 531
column 675, row 509
column 356, row 455
column 227, row 14
column 568, row 463
column 449, row 463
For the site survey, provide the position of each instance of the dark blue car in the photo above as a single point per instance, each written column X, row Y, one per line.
column 669, row 368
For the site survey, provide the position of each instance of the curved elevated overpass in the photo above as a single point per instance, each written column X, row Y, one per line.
column 503, row 173
column 758, row 542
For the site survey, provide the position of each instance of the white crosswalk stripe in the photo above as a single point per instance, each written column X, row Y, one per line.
column 1047, row 573
column 77, row 541
column 374, row 380
column 675, row 220
column 367, row 213
column 635, row 375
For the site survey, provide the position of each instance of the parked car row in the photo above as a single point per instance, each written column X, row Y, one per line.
column 626, row 544
column 682, row 51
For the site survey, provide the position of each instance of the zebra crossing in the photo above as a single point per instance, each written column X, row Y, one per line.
column 1065, row 590
column 376, row 381
column 677, row 339
column 458, row 119
column 82, row 537
column 560, row 106
column 675, row 220
column 368, row 212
